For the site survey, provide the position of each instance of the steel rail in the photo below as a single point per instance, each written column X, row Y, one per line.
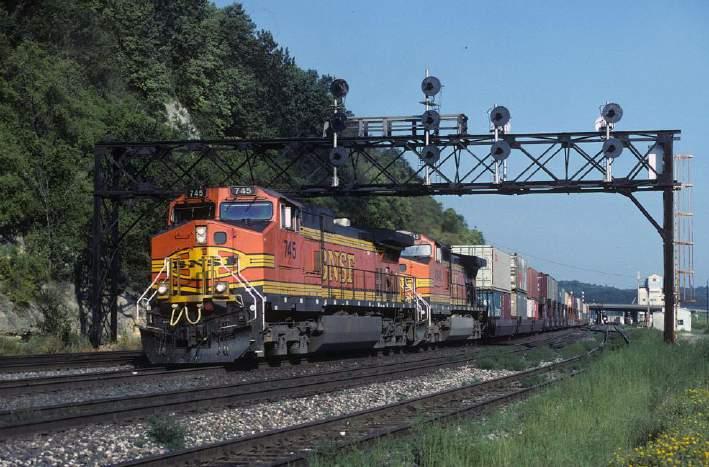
column 56, row 417
column 40, row 362
column 292, row 444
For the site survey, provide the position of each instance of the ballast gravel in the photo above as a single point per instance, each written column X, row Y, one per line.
column 104, row 444
column 62, row 372
column 179, row 381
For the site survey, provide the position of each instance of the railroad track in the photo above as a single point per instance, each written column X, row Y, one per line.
column 295, row 444
column 53, row 383
column 27, row 386
column 54, row 417
column 41, row 362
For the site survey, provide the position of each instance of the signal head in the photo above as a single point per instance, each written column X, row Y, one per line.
column 612, row 112
column 338, row 122
column 339, row 156
column 499, row 116
column 430, row 120
column 612, row 148
column 430, row 86
column 339, row 88
column 430, row 154
column 500, row 150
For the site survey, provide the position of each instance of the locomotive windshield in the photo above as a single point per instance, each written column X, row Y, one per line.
column 254, row 211
column 417, row 251
column 189, row 212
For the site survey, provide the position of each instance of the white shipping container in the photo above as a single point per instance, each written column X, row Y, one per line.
column 518, row 304
column 552, row 288
column 496, row 274
column 518, row 273
column 531, row 305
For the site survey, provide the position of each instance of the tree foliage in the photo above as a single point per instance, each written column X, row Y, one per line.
column 72, row 73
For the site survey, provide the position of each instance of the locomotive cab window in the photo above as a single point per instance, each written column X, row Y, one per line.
column 246, row 211
column 417, row 251
column 290, row 217
column 190, row 212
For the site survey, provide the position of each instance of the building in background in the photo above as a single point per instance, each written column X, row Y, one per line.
column 650, row 294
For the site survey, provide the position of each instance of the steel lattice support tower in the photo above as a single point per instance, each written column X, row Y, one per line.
column 132, row 180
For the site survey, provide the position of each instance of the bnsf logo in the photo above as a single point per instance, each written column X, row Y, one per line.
column 197, row 263
column 338, row 266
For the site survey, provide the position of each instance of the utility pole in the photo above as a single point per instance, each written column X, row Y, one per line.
column 668, row 244
column 706, row 315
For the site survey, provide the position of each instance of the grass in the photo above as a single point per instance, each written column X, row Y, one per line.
column 594, row 418
column 700, row 324
column 39, row 343
column 43, row 344
column 166, row 431
column 497, row 360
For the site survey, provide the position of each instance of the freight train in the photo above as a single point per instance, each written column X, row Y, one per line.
column 244, row 271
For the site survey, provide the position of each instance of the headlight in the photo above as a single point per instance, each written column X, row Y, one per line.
column 200, row 233
column 162, row 289
column 221, row 287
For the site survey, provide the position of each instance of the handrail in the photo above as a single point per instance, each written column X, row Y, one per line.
column 165, row 266
column 251, row 291
column 421, row 303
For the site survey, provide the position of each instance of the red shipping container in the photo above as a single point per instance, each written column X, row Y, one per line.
column 533, row 283
column 542, row 280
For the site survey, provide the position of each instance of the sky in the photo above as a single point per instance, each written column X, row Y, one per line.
column 552, row 64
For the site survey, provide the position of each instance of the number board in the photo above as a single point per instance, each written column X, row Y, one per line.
column 242, row 190
column 197, row 193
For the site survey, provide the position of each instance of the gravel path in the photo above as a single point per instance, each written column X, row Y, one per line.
column 106, row 444
column 63, row 372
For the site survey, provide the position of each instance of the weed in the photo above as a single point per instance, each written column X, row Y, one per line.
column 614, row 406
column 166, row 431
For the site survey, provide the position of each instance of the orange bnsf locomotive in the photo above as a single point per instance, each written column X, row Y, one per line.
column 245, row 271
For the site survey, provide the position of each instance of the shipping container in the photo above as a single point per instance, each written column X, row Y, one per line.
column 506, row 305
column 552, row 288
column 496, row 303
column 532, row 308
column 518, row 273
column 533, row 283
column 542, row 280
column 518, row 304
column 496, row 274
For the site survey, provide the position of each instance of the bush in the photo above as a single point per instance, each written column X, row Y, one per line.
column 20, row 275
column 56, row 320
column 166, row 431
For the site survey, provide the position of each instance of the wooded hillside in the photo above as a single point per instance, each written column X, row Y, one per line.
column 75, row 72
